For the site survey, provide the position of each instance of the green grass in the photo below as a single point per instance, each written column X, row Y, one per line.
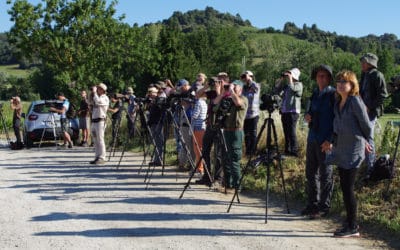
column 13, row 70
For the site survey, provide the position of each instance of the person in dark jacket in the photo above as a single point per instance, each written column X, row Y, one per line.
column 320, row 119
column 373, row 92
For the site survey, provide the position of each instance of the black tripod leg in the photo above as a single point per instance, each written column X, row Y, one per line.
column 283, row 183
column 248, row 164
column 192, row 174
column 267, row 192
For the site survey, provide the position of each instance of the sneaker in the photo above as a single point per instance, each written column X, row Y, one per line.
column 94, row 161
column 347, row 232
column 99, row 162
column 70, row 145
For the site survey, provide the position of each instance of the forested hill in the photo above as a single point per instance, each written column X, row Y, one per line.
column 196, row 19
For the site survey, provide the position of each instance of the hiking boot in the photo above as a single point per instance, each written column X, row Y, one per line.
column 347, row 232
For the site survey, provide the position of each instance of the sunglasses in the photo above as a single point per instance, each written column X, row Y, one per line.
column 341, row 81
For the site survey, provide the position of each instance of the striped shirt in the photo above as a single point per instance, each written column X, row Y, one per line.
column 199, row 115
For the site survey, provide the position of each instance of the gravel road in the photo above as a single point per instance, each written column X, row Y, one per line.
column 54, row 199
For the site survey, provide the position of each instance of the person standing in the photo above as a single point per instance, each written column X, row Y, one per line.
column 16, row 106
column 233, row 132
column 99, row 115
column 198, row 123
column 84, row 118
column 63, row 118
column 251, row 90
column 292, row 90
column 131, row 115
column 116, row 113
column 373, row 92
column 319, row 117
column 212, row 89
column 352, row 130
column 155, row 123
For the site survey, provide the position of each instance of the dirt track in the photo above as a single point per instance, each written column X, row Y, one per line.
column 53, row 199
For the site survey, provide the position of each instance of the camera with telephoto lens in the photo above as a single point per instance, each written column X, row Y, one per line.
column 223, row 111
column 270, row 102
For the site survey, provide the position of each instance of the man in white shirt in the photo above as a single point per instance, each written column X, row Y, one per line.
column 100, row 104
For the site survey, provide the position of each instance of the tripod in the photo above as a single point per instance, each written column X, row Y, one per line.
column 221, row 144
column 116, row 126
column 52, row 121
column 272, row 153
column 156, row 151
column 3, row 122
column 143, row 133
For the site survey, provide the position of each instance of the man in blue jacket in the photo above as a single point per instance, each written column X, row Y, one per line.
column 320, row 119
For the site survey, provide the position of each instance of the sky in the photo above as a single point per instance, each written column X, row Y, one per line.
column 354, row 18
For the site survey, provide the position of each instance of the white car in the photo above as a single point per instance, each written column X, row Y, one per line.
column 38, row 119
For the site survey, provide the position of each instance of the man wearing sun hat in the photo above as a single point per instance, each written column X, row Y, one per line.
column 373, row 92
column 291, row 90
column 233, row 131
column 251, row 91
column 100, row 104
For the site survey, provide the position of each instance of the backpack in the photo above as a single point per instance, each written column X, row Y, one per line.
column 383, row 169
column 71, row 112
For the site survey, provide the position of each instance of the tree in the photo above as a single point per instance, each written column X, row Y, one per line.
column 78, row 42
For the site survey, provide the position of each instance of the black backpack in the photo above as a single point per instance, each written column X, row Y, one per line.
column 384, row 166
column 71, row 112
column 383, row 169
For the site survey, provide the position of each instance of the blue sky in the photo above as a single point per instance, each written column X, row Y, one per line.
column 345, row 17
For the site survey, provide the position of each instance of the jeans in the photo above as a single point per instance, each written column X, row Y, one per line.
column 370, row 157
column 250, row 135
column 289, row 123
column 211, row 138
column 319, row 177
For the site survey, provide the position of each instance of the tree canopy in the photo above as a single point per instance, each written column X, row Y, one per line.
column 76, row 44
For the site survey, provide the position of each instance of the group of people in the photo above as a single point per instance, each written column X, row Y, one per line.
column 220, row 112
column 341, row 118
column 341, row 132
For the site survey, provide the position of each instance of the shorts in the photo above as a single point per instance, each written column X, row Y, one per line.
column 64, row 124
column 84, row 122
